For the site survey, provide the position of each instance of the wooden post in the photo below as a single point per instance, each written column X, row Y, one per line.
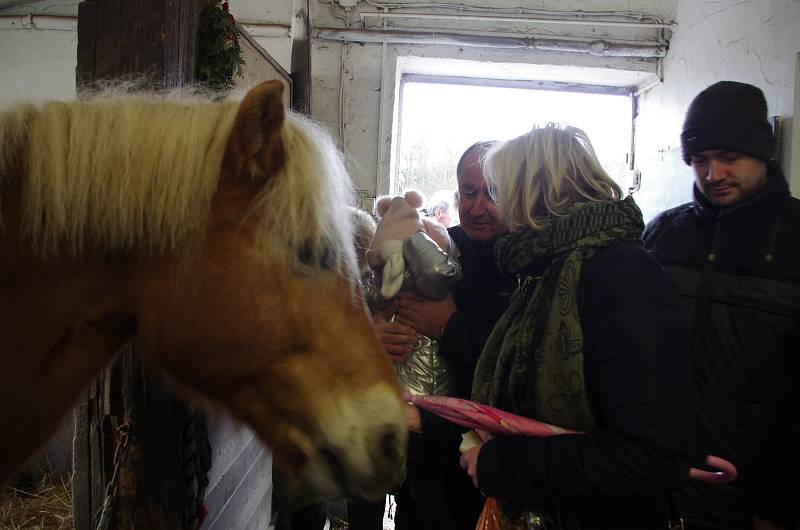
column 150, row 43
column 301, row 56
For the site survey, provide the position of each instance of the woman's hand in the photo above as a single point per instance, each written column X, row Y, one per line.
column 426, row 315
column 413, row 418
column 469, row 459
column 469, row 462
column 397, row 339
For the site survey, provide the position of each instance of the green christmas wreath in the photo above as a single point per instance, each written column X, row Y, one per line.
column 219, row 56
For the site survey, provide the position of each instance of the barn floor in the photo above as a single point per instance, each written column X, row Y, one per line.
column 46, row 505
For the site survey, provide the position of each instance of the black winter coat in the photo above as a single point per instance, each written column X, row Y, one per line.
column 738, row 272
column 636, row 365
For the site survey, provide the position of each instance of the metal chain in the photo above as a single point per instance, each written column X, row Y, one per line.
column 120, row 453
column 197, row 462
column 189, row 477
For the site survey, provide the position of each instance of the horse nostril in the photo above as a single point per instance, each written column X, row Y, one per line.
column 333, row 462
column 389, row 446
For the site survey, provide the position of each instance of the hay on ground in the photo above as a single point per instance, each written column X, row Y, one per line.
column 46, row 505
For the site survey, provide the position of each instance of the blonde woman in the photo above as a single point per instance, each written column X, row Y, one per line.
column 595, row 339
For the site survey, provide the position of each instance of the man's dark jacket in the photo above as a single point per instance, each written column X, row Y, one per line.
column 738, row 272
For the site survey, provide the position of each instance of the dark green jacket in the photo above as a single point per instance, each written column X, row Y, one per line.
column 738, row 271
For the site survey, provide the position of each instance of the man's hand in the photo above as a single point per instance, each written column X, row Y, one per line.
column 398, row 339
column 426, row 315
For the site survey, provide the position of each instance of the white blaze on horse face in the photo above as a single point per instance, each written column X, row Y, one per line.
column 363, row 442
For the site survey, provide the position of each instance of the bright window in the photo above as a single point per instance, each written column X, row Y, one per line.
column 439, row 119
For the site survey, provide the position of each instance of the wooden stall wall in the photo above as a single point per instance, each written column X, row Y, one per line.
column 239, row 492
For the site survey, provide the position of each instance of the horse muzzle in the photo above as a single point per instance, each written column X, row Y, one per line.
column 362, row 448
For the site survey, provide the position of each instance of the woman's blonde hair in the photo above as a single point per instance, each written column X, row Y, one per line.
column 543, row 172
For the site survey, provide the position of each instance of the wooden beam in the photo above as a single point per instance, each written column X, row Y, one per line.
column 151, row 44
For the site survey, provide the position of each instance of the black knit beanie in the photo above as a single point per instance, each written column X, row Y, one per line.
column 728, row 115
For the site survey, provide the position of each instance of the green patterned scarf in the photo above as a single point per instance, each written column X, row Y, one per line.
column 532, row 363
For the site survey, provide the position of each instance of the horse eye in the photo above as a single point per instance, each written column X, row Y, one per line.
column 316, row 257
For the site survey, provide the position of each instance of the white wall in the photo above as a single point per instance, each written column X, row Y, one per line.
column 751, row 41
column 37, row 64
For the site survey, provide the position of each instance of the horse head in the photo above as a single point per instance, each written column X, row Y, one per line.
column 218, row 235
column 266, row 316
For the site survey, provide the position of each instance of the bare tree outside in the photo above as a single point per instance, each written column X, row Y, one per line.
column 426, row 169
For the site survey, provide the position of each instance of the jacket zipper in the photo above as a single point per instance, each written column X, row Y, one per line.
column 706, row 287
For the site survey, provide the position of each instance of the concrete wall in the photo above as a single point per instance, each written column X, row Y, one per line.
column 258, row 67
column 37, row 63
column 752, row 41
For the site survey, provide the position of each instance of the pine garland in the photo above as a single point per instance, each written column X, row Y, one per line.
column 219, row 56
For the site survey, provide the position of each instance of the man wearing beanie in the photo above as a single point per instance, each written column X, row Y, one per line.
column 734, row 255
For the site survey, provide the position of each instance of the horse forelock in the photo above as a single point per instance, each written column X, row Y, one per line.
column 307, row 202
column 128, row 173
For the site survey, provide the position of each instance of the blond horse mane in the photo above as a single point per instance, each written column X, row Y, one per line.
column 138, row 173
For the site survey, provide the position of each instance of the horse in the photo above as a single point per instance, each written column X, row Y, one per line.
column 217, row 235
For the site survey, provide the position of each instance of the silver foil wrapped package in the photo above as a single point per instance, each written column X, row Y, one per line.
column 424, row 371
column 372, row 294
column 430, row 270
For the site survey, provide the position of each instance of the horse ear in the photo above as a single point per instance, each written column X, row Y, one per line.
column 256, row 137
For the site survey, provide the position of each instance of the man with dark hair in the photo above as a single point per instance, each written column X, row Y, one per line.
column 734, row 255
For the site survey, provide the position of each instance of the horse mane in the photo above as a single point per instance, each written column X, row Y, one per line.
column 137, row 173
column 309, row 209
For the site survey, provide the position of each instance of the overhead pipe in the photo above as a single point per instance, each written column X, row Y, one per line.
column 41, row 22
column 596, row 47
column 528, row 20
